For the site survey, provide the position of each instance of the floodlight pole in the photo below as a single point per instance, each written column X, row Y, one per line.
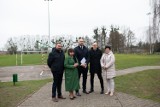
column 49, row 38
column 149, row 32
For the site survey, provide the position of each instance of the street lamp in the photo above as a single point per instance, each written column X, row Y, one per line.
column 49, row 38
column 149, row 32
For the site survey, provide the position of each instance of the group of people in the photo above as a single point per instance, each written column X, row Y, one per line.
column 76, row 64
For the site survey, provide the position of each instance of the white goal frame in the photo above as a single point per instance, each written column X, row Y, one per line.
column 28, row 52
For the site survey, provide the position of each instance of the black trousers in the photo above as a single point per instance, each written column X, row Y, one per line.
column 57, row 83
column 84, row 72
column 99, row 74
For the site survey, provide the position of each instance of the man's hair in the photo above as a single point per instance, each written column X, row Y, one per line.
column 95, row 42
column 81, row 39
column 58, row 43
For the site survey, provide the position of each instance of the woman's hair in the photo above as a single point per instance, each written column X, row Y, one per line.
column 70, row 50
column 108, row 46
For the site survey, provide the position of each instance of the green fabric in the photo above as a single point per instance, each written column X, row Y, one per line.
column 71, row 75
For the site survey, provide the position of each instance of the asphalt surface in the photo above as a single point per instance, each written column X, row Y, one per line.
column 37, row 72
column 25, row 72
column 42, row 98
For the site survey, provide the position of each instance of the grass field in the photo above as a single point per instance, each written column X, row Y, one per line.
column 29, row 59
column 122, row 60
column 132, row 60
column 11, row 95
column 145, row 84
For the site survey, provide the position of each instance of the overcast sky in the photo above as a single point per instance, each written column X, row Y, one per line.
column 70, row 17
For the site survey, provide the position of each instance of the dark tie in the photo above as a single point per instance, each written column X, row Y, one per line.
column 81, row 47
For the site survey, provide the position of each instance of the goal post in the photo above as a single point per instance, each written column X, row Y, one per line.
column 20, row 59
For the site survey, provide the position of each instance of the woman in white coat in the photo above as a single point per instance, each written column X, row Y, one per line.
column 108, row 66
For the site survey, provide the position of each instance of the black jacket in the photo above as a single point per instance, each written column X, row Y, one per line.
column 81, row 53
column 56, row 61
column 95, row 56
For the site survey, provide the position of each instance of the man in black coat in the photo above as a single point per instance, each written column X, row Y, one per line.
column 95, row 66
column 56, row 64
column 81, row 52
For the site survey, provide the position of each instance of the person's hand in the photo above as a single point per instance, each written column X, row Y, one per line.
column 75, row 65
column 102, row 67
column 84, row 65
column 105, row 68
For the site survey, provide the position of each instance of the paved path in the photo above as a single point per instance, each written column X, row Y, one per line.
column 42, row 98
column 34, row 72
column 37, row 72
column 135, row 69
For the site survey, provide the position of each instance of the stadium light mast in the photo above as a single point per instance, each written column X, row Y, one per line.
column 49, row 36
column 149, row 33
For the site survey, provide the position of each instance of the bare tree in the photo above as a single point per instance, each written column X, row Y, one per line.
column 12, row 46
column 96, row 36
column 37, row 46
column 154, row 28
column 67, row 41
column 155, row 8
column 100, row 37
column 129, row 39
column 117, row 40
column 88, row 41
column 149, row 39
column 103, row 37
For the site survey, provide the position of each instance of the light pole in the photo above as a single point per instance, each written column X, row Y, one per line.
column 49, row 38
column 149, row 33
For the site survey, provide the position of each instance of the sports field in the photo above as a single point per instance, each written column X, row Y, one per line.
column 122, row 60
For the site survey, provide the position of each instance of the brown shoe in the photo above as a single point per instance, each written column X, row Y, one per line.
column 61, row 97
column 55, row 99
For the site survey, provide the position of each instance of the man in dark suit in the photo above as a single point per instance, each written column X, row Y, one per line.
column 82, row 54
column 95, row 66
column 56, row 64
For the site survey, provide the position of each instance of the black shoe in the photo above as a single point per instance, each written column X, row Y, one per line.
column 91, row 91
column 72, row 98
column 85, row 92
column 102, row 92
column 78, row 94
column 61, row 97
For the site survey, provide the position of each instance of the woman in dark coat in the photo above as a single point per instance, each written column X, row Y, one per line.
column 71, row 74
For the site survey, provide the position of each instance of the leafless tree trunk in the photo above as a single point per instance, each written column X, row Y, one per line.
column 155, row 9
column 103, row 34
column 130, row 39
column 96, row 36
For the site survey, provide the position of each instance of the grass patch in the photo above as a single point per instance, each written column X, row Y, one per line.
column 124, row 61
column 28, row 59
column 11, row 95
column 145, row 84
